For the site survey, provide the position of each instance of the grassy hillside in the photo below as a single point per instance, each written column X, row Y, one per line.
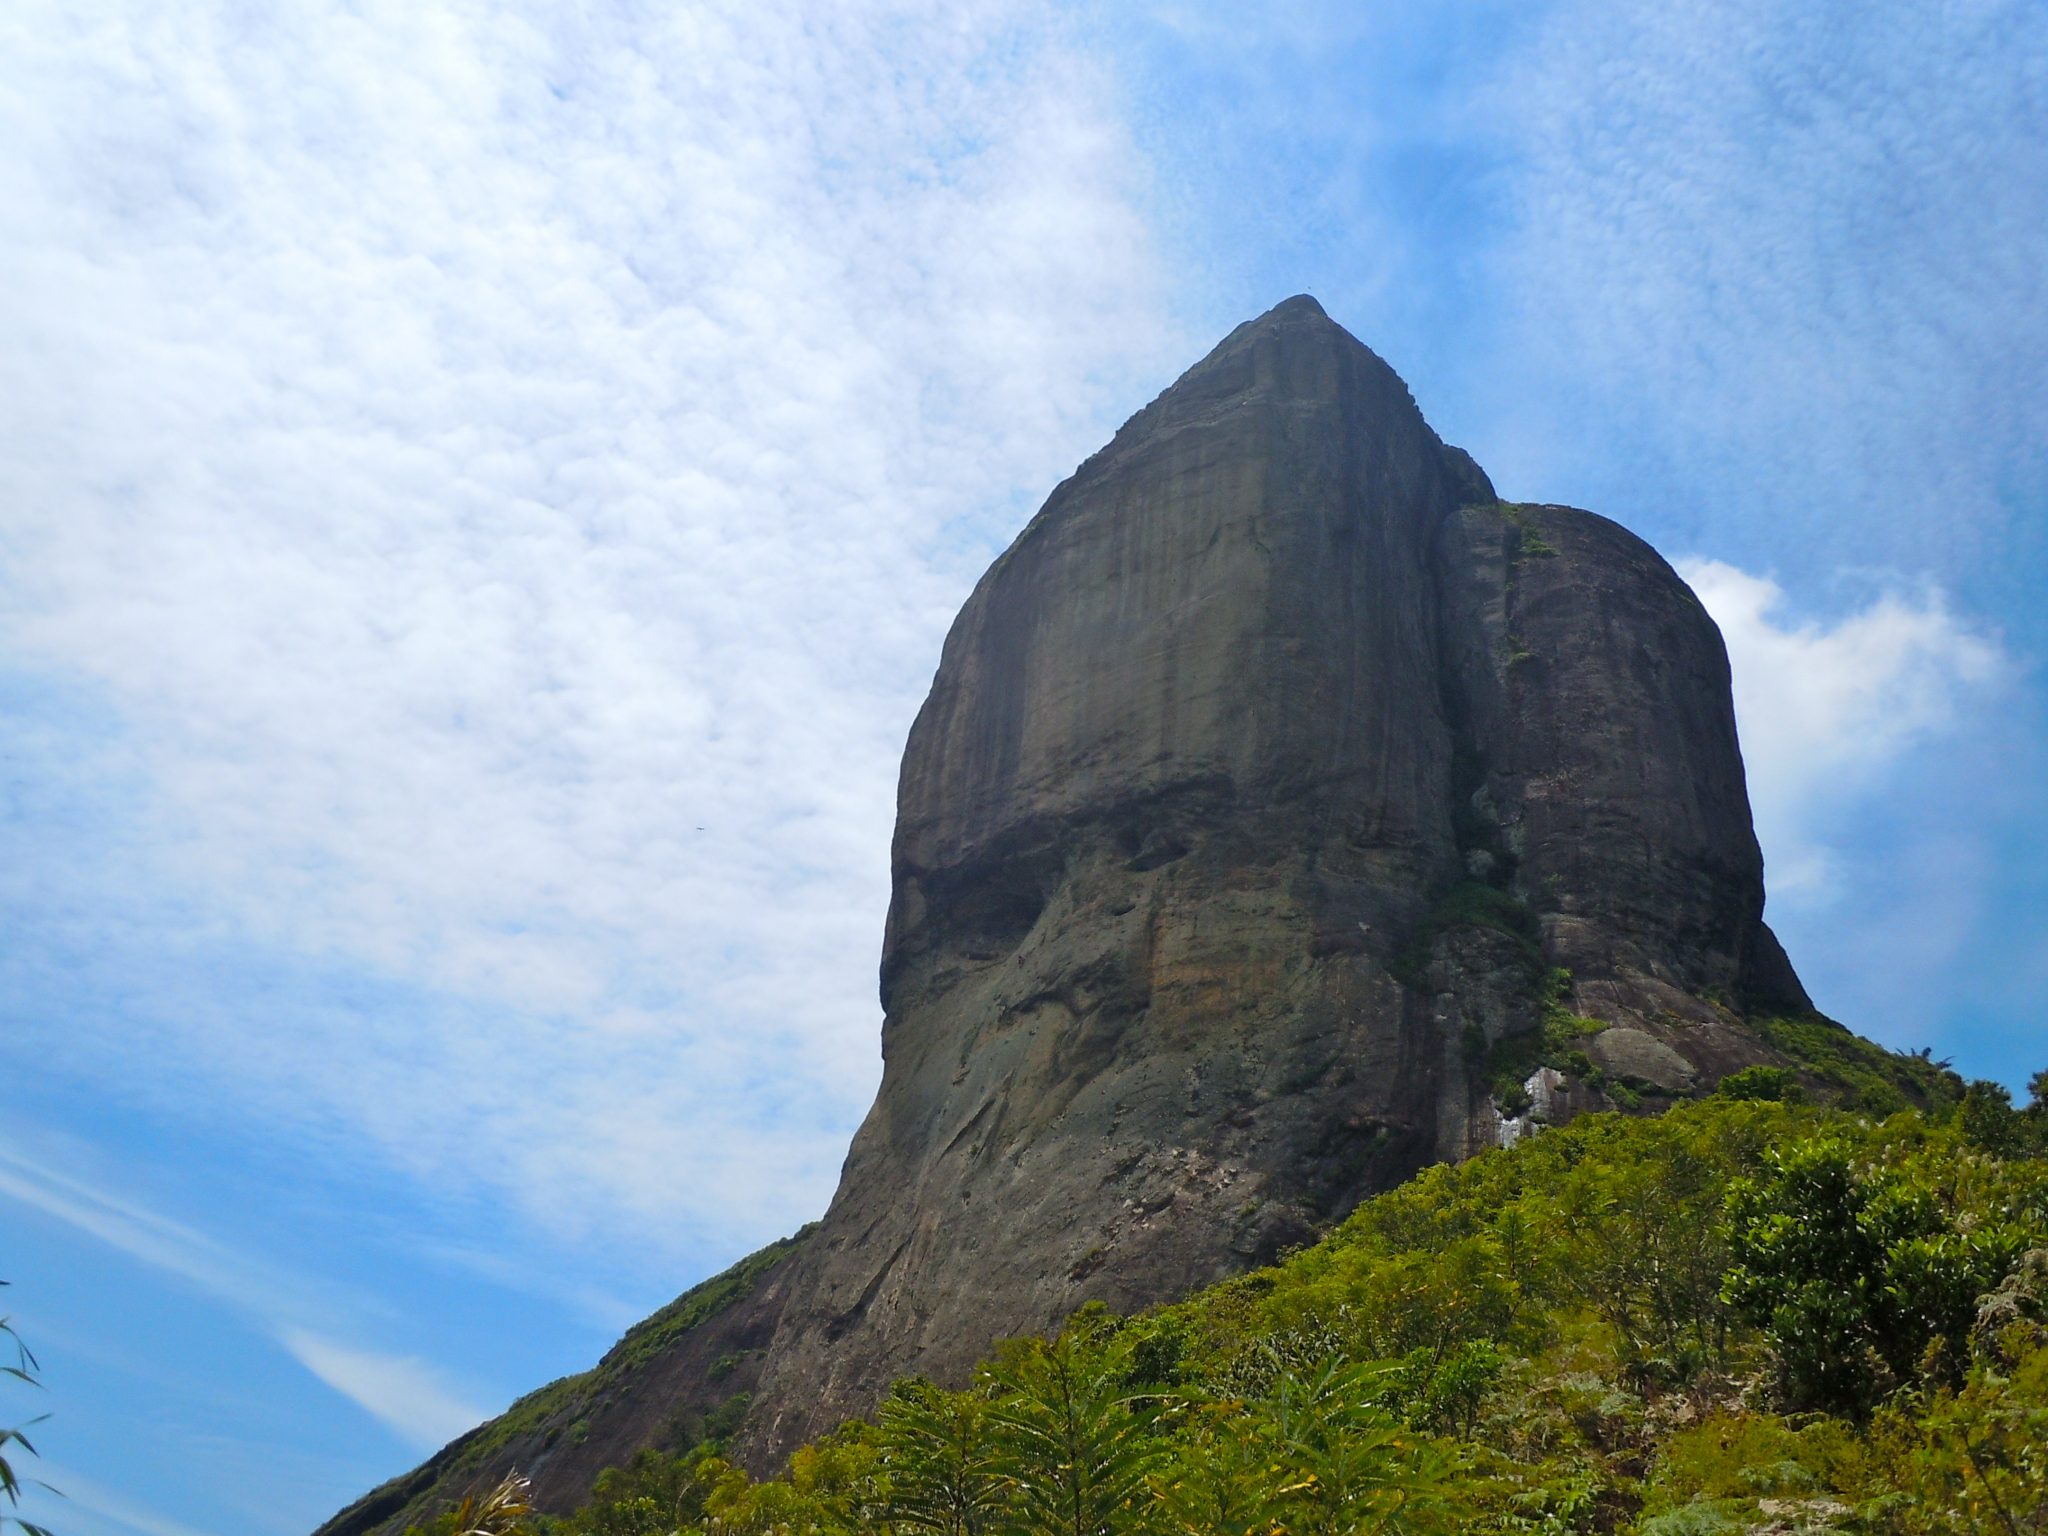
column 1745, row 1315
column 550, row 1426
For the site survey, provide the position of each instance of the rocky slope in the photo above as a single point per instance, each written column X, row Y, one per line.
column 1288, row 812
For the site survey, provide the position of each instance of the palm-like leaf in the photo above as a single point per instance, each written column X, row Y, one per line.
column 940, row 1460
column 1228, row 1483
column 1358, row 1469
column 1073, row 1444
column 23, row 1369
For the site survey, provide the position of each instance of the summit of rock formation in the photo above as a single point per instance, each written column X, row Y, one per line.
column 1288, row 813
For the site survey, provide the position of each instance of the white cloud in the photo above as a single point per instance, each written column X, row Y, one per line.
column 405, row 1393
column 78, row 1493
column 1824, row 708
column 510, row 471
column 1780, row 246
column 145, row 1236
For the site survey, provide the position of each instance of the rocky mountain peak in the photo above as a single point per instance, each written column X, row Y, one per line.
column 1287, row 813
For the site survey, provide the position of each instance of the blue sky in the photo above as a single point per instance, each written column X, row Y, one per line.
column 482, row 489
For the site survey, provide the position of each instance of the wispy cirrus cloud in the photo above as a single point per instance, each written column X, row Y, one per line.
column 499, row 478
column 144, row 1235
column 1787, row 262
column 106, row 1508
column 297, row 1311
column 406, row 1393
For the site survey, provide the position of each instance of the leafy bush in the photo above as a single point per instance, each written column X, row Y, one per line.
column 1859, row 1270
column 1775, row 1084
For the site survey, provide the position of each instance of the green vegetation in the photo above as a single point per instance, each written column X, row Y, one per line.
column 1776, row 1084
column 1530, row 542
column 1513, row 651
column 1834, row 1064
column 1509, row 1062
column 23, row 1370
column 1754, row 1313
column 1863, row 1074
column 652, row 1337
column 1859, row 1274
column 561, row 1408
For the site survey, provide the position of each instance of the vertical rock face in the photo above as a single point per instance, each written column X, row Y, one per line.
column 1282, row 799
column 1169, row 975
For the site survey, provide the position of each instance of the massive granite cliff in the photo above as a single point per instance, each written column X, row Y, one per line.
column 1288, row 812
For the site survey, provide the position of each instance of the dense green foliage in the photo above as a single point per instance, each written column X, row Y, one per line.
column 1860, row 1275
column 1754, row 1313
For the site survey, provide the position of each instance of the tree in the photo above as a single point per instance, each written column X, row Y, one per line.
column 1854, row 1273
column 1357, row 1469
column 1073, row 1445
column 1225, row 1481
column 940, row 1460
column 652, row 1495
column 1642, row 1245
column 1989, row 1120
column 2035, row 1115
